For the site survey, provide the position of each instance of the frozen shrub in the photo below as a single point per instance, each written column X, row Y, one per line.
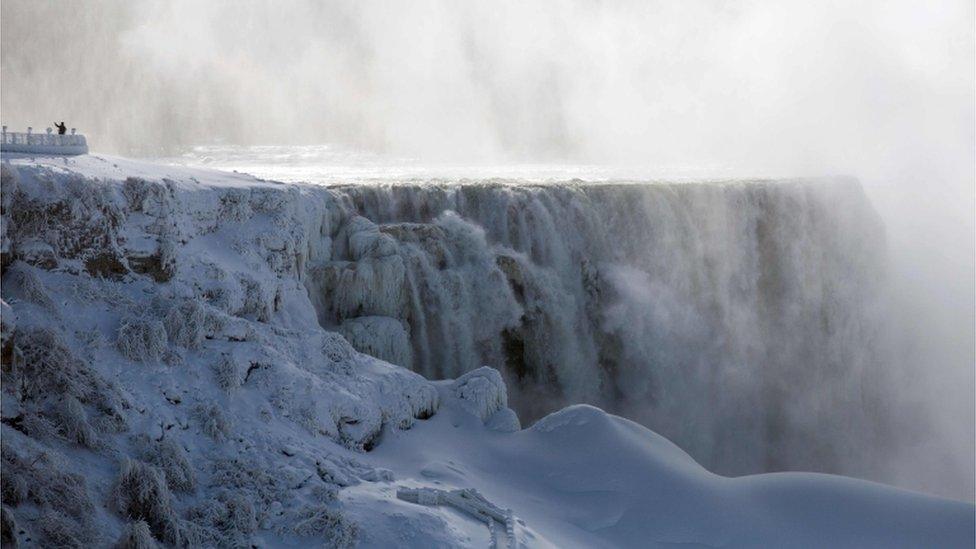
column 186, row 324
column 225, row 372
column 322, row 521
column 136, row 536
column 258, row 300
column 337, row 350
column 63, row 498
column 141, row 339
column 40, row 480
column 8, row 528
column 249, row 478
column 235, row 205
column 37, row 425
column 58, row 530
column 111, row 405
column 168, row 456
column 143, row 195
column 72, row 423
column 227, row 521
column 23, row 282
column 212, row 421
column 45, row 365
column 238, row 516
column 141, row 494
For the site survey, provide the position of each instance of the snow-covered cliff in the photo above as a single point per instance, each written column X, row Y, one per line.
column 182, row 365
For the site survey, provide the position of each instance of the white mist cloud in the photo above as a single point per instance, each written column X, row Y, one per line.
column 880, row 89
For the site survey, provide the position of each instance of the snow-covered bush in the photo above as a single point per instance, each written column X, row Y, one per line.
column 111, row 406
column 323, row 521
column 142, row 195
column 212, row 420
column 168, row 455
column 258, row 299
column 136, row 536
column 337, row 350
column 359, row 426
column 41, row 480
column 226, row 373
column 228, row 521
column 141, row 339
column 21, row 281
column 246, row 476
column 46, row 365
column 57, row 530
column 72, row 423
column 235, row 205
column 186, row 324
column 141, row 493
column 36, row 423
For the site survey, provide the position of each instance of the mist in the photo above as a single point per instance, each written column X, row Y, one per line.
column 883, row 91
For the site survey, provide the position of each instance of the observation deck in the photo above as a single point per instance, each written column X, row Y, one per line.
column 43, row 143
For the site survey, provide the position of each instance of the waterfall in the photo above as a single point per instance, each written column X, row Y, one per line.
column 740, row 319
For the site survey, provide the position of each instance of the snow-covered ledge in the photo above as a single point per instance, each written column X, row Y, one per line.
column 45, row 143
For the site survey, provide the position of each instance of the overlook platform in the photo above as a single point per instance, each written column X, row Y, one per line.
column 43, row 143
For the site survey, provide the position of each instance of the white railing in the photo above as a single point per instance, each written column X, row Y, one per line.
column 43, row 143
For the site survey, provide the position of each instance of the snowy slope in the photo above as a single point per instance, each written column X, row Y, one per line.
column 165, row 380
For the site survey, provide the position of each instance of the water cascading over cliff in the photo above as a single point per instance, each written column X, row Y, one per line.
column 740, row 319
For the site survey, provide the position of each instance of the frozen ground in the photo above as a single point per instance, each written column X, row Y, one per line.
column 166, row 381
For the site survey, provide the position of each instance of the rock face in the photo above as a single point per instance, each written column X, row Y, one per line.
column 159, row 331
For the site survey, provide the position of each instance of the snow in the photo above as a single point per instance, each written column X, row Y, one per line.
column 172, row 375
column 583, row 478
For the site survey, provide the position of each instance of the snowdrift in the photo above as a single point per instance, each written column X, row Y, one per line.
column 177, row 371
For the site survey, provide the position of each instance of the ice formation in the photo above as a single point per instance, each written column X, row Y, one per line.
column 186, row 362
column 703, row 310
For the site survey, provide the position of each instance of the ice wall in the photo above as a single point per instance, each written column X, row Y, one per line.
column 740, row 319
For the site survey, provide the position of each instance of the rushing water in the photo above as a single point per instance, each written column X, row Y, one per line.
column 741, row 319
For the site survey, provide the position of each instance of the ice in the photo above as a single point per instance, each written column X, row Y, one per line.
column 180, row 369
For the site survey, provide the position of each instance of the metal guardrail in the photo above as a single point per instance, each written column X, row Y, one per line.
column 43, row 143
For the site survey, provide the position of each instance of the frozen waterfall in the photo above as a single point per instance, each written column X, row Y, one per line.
column 706, row 311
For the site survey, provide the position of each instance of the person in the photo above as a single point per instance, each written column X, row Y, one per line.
column 62, row 129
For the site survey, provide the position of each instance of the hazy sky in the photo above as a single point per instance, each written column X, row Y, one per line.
column 883, row 90
column 783, row 85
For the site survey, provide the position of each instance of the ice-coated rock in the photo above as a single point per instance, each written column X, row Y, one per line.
column 379, row 336
column 481, row 392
